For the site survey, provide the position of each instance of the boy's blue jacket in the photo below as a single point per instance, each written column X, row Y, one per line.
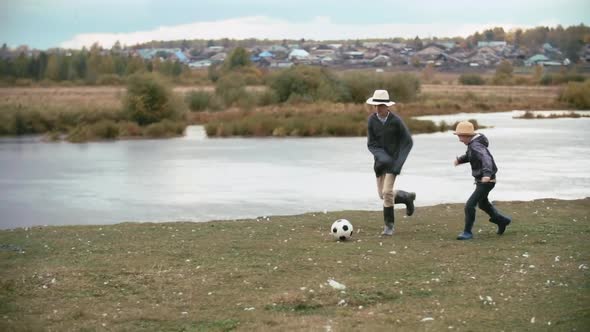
column 481, row 160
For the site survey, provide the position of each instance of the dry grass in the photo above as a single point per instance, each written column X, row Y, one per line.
column 270, row 274
column 110, row 97
column 535, row 92
column 105, row 97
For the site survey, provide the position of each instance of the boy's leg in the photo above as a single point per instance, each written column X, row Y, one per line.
column 495, row 216
column 387, row 191
column 485, row 204
column 480, row 192
column 399, row 197
column 388, row 201
column 380, row 180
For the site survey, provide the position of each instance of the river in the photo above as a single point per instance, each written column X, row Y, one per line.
column 194, row 178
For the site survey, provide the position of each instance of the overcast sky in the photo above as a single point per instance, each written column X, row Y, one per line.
column 76, row 23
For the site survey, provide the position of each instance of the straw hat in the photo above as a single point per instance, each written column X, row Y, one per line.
column 380, row 97
column 464, row 128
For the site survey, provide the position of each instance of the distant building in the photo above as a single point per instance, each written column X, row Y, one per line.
column 491, row 44
column 298, row 54
column 536, row 59
column 200, row 64
column 219, row 57
column 354, row 55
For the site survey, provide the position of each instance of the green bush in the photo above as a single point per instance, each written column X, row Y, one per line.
column 577, row 94
column 105, row 129
column 554, row 79
column 268, row 97
column 109, row 79
column 165, row 128
column 149, row 99
column 303, row 124
column 360, row 86
column 308, row 83
column 471, row 79
column 231, row 88
column 198, row 100
column 401, row 87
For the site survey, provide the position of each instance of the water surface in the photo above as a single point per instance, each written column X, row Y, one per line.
column 199, row 179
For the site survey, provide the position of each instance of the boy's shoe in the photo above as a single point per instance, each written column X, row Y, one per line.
column 387, row 231
column 502, row 225
column 406, row 198
column 465, row 236
column 502, row 222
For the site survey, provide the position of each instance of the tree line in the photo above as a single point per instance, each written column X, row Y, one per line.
column 93, row 66
column 99, row 66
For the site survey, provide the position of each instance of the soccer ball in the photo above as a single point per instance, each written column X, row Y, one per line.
column 342, row 229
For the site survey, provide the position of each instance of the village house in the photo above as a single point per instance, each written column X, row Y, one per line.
column 299, row 55
column 584, row 53
column 429, row 53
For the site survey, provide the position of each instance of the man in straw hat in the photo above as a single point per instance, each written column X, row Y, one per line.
column 483, row 169
column 390, row 142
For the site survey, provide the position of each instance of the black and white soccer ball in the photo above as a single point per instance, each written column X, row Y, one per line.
column 342, row 229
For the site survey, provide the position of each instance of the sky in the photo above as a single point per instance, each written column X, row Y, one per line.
column 45, row 24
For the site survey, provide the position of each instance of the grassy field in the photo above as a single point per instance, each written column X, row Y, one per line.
column 271, row 274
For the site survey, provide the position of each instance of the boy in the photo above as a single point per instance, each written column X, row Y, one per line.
column 483, row 169
column 390, row 142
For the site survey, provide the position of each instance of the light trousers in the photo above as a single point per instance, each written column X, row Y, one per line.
column 385, row 184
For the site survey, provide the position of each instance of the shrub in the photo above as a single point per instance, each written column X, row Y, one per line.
column 577, row 94
column 230, row 88
column 198, row 100
column 268, row 97
column 23, row 82
column 105, row 129
column 79, row 134
column 166, row 128
column 310, row 83
column 554, row 79
column 128, row 128
column 471, row 79
column 149, row 99
column 109, row 79
column 401, row 87
column 359, row 87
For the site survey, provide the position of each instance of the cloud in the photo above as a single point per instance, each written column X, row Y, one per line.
column 261, row 27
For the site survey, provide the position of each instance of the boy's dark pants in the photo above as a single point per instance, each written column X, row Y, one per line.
column 479, row 198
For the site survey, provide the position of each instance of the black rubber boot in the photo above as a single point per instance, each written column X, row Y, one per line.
column 407, row 198
column 502, row 221
column 389, row 220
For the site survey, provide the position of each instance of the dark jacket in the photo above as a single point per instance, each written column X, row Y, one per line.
column 481, row 160
column 390, row 143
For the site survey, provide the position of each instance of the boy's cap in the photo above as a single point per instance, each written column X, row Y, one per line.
column 465, row 128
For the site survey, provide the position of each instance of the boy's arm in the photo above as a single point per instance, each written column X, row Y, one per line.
column 461, row 159
column 405, row 146
column 372, row 143
column 482, row 153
